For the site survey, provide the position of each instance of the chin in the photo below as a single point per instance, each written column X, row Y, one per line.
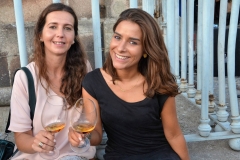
column 119, row 67
column 60, row 52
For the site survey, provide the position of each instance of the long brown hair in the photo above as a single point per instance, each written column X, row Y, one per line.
column 156, row 67
column 75, row 66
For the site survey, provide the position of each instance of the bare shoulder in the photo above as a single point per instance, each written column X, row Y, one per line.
column 169, row 109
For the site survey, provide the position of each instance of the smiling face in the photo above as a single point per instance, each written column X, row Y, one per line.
column 58, row 33
column 126, row 46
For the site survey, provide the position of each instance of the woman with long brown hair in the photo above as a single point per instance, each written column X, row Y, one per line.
column 58, row 67
column 135, row 92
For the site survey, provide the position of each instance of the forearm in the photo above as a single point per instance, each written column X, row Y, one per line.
column 24, row 142
column 179, row 145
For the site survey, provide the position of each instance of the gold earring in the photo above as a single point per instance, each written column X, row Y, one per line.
column 144, row 55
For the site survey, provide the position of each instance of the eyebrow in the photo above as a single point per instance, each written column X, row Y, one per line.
column 67, row 24
column 132, row 38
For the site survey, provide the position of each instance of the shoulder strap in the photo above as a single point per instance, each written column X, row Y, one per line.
column 31, row 94
column 31, row 91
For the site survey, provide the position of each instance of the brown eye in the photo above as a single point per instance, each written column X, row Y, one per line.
column 68, row 28
column 132, row 42
column 117, row 37
column 53, row 27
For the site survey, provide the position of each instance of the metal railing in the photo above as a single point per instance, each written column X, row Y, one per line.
column 202, row 96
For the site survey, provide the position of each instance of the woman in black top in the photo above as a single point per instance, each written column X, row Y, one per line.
column 135, row 91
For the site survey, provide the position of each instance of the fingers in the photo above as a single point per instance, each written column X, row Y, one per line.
column 44, row 142
column 74, row 137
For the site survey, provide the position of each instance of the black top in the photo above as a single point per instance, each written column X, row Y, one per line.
column 132, row 128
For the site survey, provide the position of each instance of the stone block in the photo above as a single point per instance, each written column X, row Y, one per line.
column 89, row 48
column 6, row 11
column 4, row 111
column 85, row 27
column 82, row 8
column 29, row 32
column 5, row 95
column 86, row 36
column 14, row 63
column 8, row 39
column 108, row 33
column 4, row 74
column 115, row 7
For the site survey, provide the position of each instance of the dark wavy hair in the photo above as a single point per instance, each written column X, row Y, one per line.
column 75, row 66
column 156, row 67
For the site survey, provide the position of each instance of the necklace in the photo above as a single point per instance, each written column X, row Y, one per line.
column 125, row 90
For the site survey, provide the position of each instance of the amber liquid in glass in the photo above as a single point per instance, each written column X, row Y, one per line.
column 55, row 127
column 83, row 127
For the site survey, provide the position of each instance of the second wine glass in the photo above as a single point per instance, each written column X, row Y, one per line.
column 83, row 121
column 53, row 119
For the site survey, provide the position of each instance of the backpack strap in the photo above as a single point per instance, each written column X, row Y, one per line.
column 31, row 91
column 31, row 95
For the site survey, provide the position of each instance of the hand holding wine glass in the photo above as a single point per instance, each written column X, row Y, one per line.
column 53, row 119
column 83, row 121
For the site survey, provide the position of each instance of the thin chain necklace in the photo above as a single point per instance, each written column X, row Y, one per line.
column 125, row 90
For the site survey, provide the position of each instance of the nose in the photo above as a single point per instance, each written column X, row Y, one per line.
column 122, row 46
column 60, row 32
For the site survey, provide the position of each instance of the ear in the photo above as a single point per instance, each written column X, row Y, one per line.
column 40, row 38
column 73, row 42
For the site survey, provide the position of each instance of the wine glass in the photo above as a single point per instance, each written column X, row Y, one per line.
column 83, row 121
column 53, row 119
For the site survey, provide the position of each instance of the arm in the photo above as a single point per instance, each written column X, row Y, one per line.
column 172, row 129
column 31, row 145
column 96, row 134
column 22, row 144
